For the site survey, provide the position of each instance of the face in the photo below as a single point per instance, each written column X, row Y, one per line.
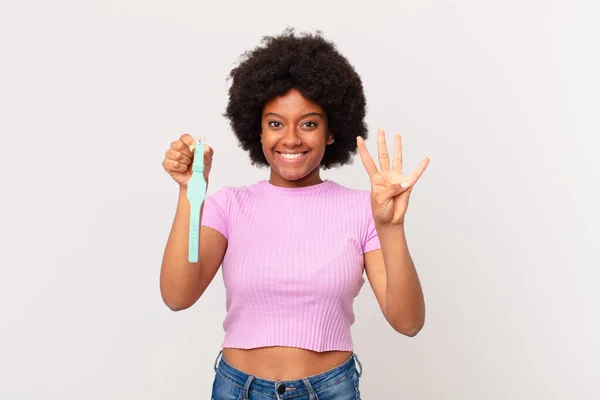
column 294, row 137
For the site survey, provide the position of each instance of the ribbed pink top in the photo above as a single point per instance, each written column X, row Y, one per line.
column 294, row 262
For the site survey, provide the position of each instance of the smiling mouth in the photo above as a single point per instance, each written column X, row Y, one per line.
column 292, row 156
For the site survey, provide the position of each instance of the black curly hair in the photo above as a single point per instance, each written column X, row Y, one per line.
column 310, row 64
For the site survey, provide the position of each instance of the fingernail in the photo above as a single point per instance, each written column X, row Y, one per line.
column 404, row 185
column 192, row 148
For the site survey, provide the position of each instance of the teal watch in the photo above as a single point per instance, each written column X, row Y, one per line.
column 196, row 194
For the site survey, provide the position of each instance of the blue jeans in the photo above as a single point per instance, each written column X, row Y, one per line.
column 339, row 383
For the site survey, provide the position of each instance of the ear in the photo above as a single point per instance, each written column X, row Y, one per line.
column 261, row 135
column 330, row 138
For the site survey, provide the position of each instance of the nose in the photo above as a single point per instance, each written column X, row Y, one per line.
column 291, row 138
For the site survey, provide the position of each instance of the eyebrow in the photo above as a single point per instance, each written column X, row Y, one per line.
column 302, row 116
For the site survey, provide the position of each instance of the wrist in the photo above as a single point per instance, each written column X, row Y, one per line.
column 390, row 228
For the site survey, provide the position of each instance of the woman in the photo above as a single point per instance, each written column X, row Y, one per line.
column 294, row 248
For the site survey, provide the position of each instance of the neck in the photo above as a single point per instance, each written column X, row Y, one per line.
column 314, row 178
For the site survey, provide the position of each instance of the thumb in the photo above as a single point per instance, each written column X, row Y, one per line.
column 395, row 189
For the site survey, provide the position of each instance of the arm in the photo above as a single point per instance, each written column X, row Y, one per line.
column 181, row 282
column 390, row 270
column 395, row 282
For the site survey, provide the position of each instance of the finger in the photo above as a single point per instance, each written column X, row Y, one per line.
column 416, row 174
column 174, row 166
column 398, row 153
column 176, row 155
column 392, row 190
column 183, row 145
column 193, row 141
column 367, row 161
column 208, row 156
column 188, row 140
column 384, row 159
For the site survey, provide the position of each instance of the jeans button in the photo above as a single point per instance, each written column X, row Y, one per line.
column 281, row 388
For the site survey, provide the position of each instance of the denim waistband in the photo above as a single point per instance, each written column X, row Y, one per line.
column 291, row 388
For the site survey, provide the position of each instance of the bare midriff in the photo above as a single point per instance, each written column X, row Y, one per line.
column 283, row 363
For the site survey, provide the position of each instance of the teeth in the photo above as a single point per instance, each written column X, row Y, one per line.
column 292, row 156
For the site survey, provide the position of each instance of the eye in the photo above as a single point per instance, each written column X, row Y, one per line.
column 274, row 124
column 310, row 124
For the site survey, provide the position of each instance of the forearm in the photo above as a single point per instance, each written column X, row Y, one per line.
column 405, row 305
column 180, row 283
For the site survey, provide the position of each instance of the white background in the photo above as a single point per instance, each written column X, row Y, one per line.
column 503, row 226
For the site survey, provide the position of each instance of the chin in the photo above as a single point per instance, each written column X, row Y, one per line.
column 292, row 175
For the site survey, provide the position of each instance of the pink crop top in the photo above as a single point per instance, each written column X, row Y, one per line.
column 294, row 262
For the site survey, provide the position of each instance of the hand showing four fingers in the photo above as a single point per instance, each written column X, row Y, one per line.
column 390, row 187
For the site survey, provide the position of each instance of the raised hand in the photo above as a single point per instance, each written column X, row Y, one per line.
column 178, row 160
column 390, row 188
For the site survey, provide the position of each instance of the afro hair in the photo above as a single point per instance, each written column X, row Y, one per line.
column 310, row 64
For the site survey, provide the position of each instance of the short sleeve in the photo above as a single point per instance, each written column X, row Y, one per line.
column 370, row 239
column 215, row 213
